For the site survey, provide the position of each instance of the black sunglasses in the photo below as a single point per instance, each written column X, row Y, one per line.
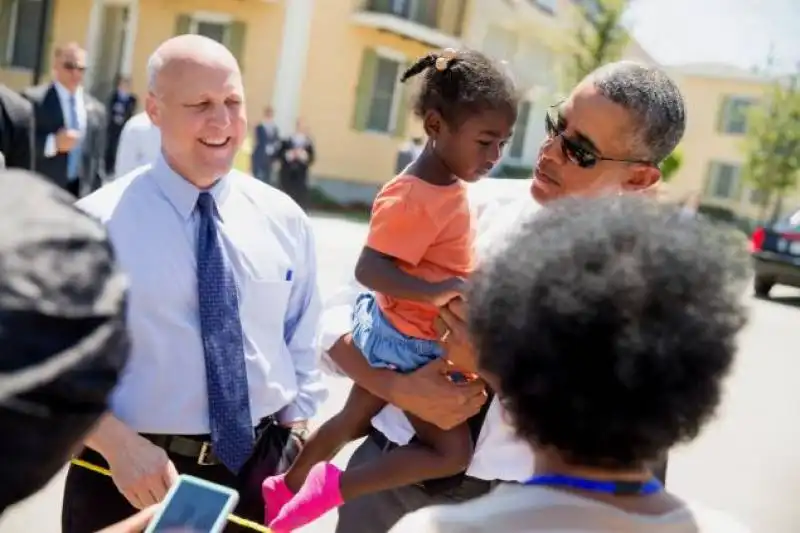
column 574, row 151
column 69, row 65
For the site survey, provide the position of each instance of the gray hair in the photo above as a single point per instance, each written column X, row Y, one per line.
column 654, row 101
column 154, row 64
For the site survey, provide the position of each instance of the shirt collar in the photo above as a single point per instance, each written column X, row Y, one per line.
column 182, row 194
column 64, row 94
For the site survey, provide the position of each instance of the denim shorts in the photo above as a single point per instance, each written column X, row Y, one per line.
column 383, row 345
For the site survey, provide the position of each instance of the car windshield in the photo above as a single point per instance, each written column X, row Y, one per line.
column 790, row 223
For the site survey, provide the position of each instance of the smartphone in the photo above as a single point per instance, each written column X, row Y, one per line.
column 194, row 505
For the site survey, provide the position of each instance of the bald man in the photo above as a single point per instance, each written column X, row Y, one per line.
column 223, row 308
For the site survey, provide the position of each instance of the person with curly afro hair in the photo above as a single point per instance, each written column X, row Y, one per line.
column 606, row 328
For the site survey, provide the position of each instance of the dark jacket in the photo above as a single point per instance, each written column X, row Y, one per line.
column 16, row 130
column 265, row 138
column 50, row 119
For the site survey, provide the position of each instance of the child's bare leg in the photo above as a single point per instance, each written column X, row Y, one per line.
column 439, row 454
column 349, row 424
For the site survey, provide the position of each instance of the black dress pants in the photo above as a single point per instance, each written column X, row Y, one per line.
column 92, row 501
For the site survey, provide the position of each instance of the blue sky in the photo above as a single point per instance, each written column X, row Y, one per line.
column 738, row 32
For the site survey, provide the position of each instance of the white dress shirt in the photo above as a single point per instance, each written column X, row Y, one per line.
column 152, row 222
column 50, row 148
column 499, row 454
column 139, row 144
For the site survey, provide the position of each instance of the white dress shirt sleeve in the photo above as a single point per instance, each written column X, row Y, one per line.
column 128, row 157
column 50, row 149
column 300, row 333
column 337, row 320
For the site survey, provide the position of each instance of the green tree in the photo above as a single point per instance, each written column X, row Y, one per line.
column 599, row 38
column 671, row 165
column 772, row 146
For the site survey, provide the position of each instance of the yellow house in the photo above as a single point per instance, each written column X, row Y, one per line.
column 718, row 98
column 352, row 96
column 119, row 36
column 336, row 63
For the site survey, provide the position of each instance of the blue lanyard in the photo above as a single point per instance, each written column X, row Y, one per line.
column 620, row 488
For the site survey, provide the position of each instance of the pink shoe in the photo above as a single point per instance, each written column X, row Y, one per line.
column 318, row 495
column 276, row 494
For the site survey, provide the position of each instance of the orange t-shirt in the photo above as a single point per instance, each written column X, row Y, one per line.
column 429, row 230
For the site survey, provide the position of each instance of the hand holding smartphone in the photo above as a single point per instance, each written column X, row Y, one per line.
column 194, row 505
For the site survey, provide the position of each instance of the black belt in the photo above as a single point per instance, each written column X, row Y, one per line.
column 193, row 447
column 198, row 447
column 468, row 486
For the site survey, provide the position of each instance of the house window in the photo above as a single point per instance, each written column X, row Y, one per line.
column 217, row 30
column 422, row 11
column 590, row 7
column 23, row 38
column 213, row 30
column 734, row 112
column 385, row 95
column 547, row 5
column 723, row 180
column 220, row 27
column 520, row 131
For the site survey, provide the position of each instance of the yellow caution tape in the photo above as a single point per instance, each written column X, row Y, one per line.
column 249, row 524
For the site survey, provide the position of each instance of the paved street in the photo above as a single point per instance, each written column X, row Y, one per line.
column 746, row 462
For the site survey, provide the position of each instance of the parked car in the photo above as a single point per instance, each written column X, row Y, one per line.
column 776, row 255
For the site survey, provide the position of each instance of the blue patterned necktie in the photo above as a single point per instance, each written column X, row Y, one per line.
column 74, row 155
column 226, row 376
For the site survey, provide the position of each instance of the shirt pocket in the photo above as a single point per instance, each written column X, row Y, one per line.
column 266, row 301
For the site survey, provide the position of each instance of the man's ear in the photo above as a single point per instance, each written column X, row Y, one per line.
column 642, row 178
column 152, row 109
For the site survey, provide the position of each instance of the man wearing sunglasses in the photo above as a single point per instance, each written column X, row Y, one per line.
column 70, row 133
column 607, row 137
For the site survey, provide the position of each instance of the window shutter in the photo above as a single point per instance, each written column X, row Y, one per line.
column 237, row 31
column 182, row 24
column 722, row 113
column 738, row 186
column 47, row 49
column 366, row 83
column 710, row 183
column 401, row 123
column 6, row 9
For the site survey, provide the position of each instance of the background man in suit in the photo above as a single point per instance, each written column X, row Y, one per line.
column 16, row 130
column 296, row 155
column 267, row 144
column 70, row 134
column 121, row 107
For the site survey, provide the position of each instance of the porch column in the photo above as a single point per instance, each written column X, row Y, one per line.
column 292, row 60
column 92, row 34
column 128, row 47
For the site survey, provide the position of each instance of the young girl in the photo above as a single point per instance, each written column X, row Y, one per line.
column 416, row 259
